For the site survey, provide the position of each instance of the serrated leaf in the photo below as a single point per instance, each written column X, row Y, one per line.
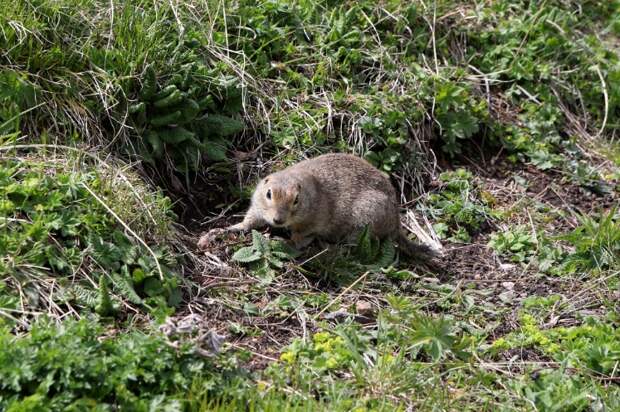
column 386, row 254
column 125, row 288
column 283, row 250
column 273, row 260
column 215, row 151
column 104, row 305
column 246, row 255
column 259, row 243
column 83, row 296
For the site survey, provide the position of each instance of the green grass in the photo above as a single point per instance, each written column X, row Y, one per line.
column 200, row 98
column 366, row 77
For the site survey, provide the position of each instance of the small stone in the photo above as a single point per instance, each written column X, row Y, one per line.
column 508, row 285
column 507, row 297
column 364, row 308
column 338, row 315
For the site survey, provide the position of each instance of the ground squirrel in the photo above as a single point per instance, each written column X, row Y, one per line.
column 331, row 197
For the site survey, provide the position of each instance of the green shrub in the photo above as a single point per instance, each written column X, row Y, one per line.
column 554, row 390
column 140, row 84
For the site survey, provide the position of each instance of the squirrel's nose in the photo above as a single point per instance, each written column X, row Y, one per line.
column 278, row 221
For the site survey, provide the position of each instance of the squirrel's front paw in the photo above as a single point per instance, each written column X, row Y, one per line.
column 207, row 239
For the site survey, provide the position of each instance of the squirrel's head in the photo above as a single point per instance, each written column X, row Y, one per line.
column 284, row 199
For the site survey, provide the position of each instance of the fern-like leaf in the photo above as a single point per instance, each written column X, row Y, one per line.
column 82, row 296
column 125, row 288
column 104, row 305
column 386, row 254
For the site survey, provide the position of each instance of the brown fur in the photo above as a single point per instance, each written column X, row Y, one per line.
column 337, row 196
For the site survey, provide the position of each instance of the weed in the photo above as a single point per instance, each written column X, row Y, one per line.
column 265, row 256
column 181, row 120
column 69, row 365
column 458, row 208
column 518, row 243
column 52, row 228
column 344, row 263
column 592, row 348
column 596, row 242
column 553, row 390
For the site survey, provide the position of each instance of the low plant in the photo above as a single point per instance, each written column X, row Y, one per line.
column 555, row 390
column 356, row 364
column 265, row 256
column 343, row 263
column 77, row 365
column 591, row 348
column 596, row 242
column 60, row 245
column 458, row 207
column 183, row 120
column 518, row 243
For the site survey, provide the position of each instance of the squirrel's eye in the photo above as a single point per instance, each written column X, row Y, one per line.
column 269, row 194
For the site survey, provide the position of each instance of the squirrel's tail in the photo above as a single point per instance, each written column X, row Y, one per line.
column 415, row 250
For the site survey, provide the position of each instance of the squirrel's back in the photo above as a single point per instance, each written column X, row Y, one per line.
column 352, row 193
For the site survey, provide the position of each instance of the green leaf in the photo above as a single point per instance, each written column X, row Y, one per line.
column 175, row 135
column 149, row 84
column 153, row 287
column 259, row 243
column 104, row 305
column 387, row 254
column 223, row 126
column 364, row 243
column 169, row 118
column 82, row 296
column 283, row 250
column 175, row 298
column 246, row 255
column 124, row 286
column 215, row 151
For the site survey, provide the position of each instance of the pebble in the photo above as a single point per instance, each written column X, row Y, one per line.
column 364, row 308
column 508, row 285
